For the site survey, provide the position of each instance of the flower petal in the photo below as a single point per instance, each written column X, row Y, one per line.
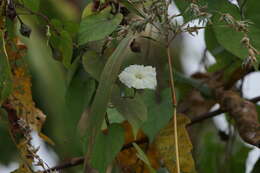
column 139, row 77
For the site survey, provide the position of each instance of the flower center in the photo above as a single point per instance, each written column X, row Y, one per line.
column 139, row 76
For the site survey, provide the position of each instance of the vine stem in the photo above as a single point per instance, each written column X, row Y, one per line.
column 174, row 103
column 44, row 17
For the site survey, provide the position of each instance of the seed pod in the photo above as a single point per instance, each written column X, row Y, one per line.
column 10, row 11
column 135, row 46
column 25, row 30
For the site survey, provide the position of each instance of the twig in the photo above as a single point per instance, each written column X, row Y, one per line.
column 207, row 115
column 80, row 160
column 172, row 85
column 71, row 163
column 174, row 103
column 47, row 20
column 255, row 100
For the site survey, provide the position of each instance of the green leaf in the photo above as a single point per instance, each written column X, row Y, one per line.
column 114, row 116
column 93, row 64
column 79, row 94
column 32, row 4
column 73, row 69
column 9, row 151
column 223, row 57
column 107, row 79
column 211, row 41
column 66, row 47
column 106, row 147
column 182, row 79
column 228, row 37
column 213, row 156
column 71, row 27
column 254, row 34
column 251, row 11
column 258, row 111
column 104, row 90
column 210, row 155
column 223, row 32
column 98, row 26
column 57, row 24
column 159, row 113
column 238, row 159
column 62, row 47
column 232, row 44
column 133, row 109
column 11, row 28
column 184, row 5
column 88, row 10
column 5, row 74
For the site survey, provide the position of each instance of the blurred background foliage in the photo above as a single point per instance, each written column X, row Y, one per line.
column 52, row 84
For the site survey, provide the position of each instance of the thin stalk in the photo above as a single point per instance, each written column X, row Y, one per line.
column 174, row 103
column 5, row 51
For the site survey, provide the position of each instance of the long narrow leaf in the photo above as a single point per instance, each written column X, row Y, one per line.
column 103, row 94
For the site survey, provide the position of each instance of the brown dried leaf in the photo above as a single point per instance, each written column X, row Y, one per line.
column 161, row 153
column 165, row 147
column 244, row 113
column 22, row 114
column 21, row 97
column 127, row 158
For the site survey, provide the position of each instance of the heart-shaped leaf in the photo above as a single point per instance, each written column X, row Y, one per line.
column 97, row 26
column 133, row 109
column 93, row 64
column 159, row 113
column 106, row 147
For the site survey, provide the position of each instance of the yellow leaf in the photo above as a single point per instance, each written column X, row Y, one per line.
column 127, row 158
column 165, row 147
column 21, row 98
column 22, row 113
column 88, row 10
column 161, row 152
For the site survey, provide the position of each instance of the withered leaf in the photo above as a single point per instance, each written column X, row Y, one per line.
column 165, row 147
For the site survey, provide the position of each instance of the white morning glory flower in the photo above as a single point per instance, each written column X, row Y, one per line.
column 139, row 77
